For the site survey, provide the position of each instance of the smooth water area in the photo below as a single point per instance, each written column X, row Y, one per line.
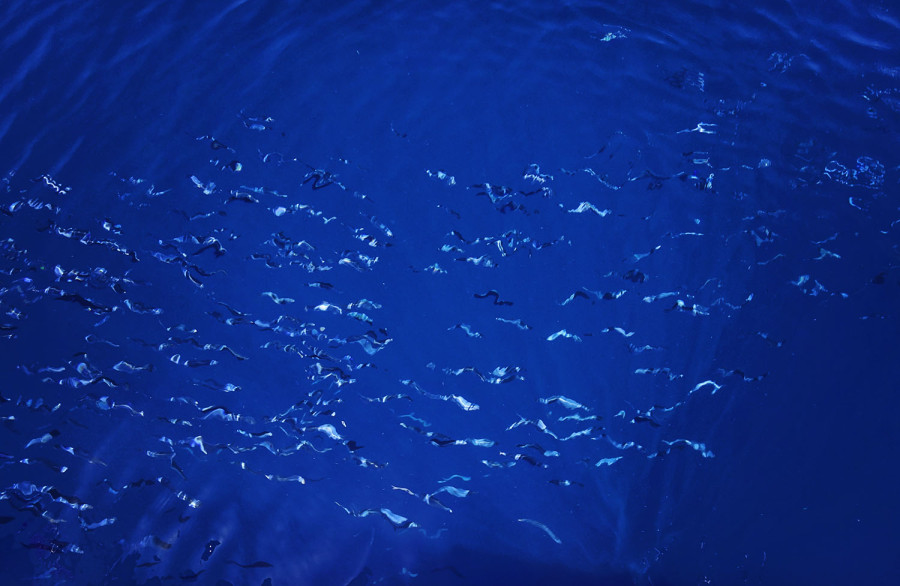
column 576, row 293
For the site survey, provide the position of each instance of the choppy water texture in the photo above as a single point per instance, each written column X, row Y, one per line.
column 533, row 292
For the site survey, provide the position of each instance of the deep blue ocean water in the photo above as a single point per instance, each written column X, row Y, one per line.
column 449, row 293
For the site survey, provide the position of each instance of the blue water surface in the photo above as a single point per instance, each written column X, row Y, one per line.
column 449, row 293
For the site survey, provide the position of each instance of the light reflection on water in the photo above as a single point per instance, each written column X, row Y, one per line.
column 120, row 139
